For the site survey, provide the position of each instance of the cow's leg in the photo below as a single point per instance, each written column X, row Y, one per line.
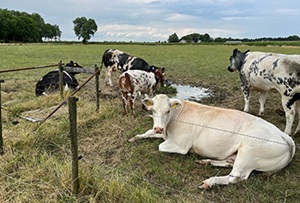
column 289, row 109
column 242, row 168
column 246, row 99
column 171, row 147
column 262, row 101
column 108, row 80
column 148, row 134
column 222, row 163
column 298, row 110
column 131, row 103
column 124, row 101
column 246, row 91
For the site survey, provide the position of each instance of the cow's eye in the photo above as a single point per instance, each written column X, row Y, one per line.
column 168, row 112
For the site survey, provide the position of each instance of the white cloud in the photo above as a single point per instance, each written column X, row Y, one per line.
column 287, row 11
column 180, row 17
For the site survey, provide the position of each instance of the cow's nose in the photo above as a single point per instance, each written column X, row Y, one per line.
column 230, row 69
column 158, row 130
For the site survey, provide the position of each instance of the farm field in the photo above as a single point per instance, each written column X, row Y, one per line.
column 36, row 166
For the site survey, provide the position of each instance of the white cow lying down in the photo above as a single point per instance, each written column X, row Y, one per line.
column 229, row 137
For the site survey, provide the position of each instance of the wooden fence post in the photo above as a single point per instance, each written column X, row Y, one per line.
column 97, row 87
column 60, row 76
column 1, row 137
column 74, row 147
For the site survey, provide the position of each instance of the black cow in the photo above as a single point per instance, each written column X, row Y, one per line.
column 50, row 81
column 114, row 59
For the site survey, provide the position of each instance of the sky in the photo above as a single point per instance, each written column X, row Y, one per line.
column 156, row 20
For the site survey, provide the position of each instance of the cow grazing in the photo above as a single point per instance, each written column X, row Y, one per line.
column 229, row 137
column 50, row 81
column 266, row 71
column 135, row 82
column 114, row 59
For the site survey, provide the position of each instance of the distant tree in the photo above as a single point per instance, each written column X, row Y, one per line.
column 84, row 28
column 219, row 39
column 173, row 38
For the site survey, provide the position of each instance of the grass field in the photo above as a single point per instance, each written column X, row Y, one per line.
column 36, row 166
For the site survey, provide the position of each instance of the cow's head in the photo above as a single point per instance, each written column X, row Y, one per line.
column 237, row 60
column 159, row 76
column 162, row 110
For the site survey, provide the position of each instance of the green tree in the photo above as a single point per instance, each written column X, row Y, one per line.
column 173, row 38
column 84, row 28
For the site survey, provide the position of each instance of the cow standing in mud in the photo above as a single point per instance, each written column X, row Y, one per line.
column 114, row 59
column 266, row 71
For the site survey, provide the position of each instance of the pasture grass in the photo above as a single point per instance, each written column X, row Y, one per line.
column 36, row 166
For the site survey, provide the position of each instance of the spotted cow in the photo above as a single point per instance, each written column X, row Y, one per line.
column 229, row 137
column 50, row 82
column 133, row 83
column 266, row 71
column 114, row 59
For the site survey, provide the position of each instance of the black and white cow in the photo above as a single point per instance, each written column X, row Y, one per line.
column 114, row 59
column 50, row 81
column 266, row 71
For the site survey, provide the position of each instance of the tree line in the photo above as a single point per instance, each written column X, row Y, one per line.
column 24, row 27
column 196, row 38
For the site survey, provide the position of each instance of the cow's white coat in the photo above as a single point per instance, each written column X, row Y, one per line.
column 228, row 137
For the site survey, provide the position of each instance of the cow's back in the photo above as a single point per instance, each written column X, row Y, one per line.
column 266, row 71
column 219, row 133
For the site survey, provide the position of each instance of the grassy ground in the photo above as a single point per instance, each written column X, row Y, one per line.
column 36, row 166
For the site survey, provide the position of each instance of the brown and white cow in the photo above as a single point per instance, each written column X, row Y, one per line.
column 132, row 83
column 266, row 71
column 229, row 137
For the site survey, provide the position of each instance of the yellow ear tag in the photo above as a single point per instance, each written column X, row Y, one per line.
column 148, row 103
column 174, row 106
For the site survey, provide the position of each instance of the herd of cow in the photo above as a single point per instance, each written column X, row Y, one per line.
column 231, row 138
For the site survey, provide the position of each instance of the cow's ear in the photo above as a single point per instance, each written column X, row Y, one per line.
column 235, row 51
column 175, row 103
column 148, row 103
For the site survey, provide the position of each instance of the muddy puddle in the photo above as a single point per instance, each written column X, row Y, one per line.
column 191, row 93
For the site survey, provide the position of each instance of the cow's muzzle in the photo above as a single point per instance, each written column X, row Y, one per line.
column 230, row 69
column 158, row 130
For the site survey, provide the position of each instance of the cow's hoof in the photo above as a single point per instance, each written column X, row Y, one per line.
column 205, row 186
column 132, row 139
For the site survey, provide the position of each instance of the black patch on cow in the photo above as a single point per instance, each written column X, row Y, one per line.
column 291, row 102
column 244, row 85
column 106, row 58
column 50, row 82
column 275, row 64
column 140, row 64
column 123, row 59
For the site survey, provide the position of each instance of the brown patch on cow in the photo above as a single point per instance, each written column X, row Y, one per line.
column 126, row 88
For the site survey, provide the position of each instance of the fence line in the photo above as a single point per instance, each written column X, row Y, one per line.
column 29, row 68
column 73, row 93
